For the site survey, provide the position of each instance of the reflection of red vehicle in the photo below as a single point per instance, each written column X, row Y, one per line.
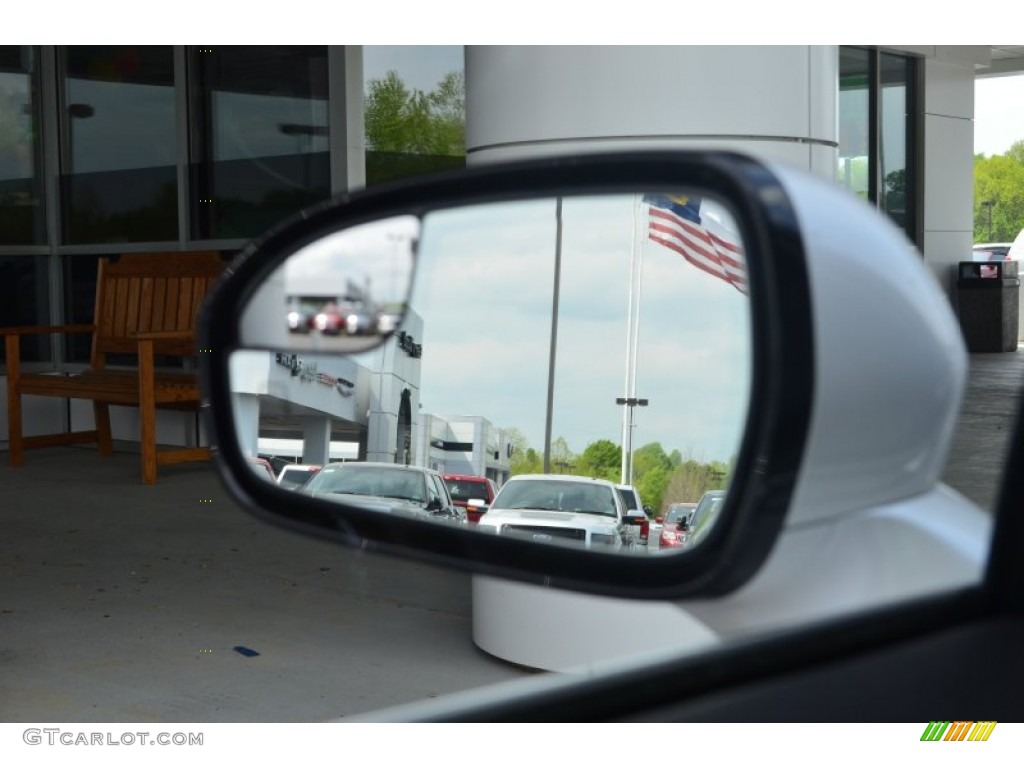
column 330, row 320
column 466, row 488
column 675, row 525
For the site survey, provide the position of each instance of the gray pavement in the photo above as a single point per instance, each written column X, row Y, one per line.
column 123, row 603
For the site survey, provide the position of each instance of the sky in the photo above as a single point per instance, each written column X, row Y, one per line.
column 484, row 290
column 998, row 113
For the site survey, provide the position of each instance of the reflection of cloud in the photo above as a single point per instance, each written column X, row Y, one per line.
column 485, row 294
column 376, row 256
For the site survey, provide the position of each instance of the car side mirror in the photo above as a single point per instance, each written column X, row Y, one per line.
column 706, row 243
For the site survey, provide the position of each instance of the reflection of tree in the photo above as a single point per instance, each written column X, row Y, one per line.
column 153, row 219
column 660, row 478
column 895, row 196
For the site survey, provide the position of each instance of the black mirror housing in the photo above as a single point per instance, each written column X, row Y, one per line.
column 764, row 472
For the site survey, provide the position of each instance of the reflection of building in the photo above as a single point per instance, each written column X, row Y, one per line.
column 463, row 445
column 320, row 399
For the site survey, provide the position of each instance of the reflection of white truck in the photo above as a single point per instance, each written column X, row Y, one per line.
column 638, row 513
column 561, row 509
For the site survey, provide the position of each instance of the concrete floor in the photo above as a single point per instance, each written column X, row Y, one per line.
column 123, row 603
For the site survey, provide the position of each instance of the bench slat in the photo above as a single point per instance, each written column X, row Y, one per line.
column 146, row 306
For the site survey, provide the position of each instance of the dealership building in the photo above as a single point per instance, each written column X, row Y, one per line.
column 106, row 150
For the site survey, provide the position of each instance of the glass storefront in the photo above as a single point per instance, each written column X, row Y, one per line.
column 119, row 149
column 260, row 138
column 877, row 132
column 22, row 206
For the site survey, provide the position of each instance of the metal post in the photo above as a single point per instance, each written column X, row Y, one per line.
column 554, row 334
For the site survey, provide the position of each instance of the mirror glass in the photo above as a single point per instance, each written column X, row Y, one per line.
column 565, row 369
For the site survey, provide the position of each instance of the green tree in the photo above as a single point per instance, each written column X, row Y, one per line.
column 408, row 121
column 601, row 458
column 649, row 457
column 999, row 194
column 524, row 460
column 691, row 479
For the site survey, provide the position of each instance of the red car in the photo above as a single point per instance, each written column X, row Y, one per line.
column 675, row 525
column 466, row 488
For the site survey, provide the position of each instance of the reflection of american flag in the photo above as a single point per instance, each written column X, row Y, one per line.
column 679, row 223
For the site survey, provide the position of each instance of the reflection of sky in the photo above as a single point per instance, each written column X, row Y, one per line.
column 419, row 66
column 376, row 257
column 484, row 292
column 131, row 126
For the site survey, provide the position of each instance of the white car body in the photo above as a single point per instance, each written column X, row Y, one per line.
column 569, row 526
column 870, row 522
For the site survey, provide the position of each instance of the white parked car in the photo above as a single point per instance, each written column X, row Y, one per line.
column 294, row 476
column 585, row 511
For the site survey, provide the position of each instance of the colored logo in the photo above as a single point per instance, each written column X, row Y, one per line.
column 958, row 731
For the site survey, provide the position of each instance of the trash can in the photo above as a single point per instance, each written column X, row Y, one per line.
column 988, row 296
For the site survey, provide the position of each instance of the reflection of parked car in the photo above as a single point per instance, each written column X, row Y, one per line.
column 385, row 487
column 387, row 322
column 294, row 476
column 560, row 509
column 300, row 320
column 990, row 251
column 359, row 321
column 636, row 511
column 330, row 319
column 703, row 518
column 675, row 525
column 470, row 488
column 262, row 468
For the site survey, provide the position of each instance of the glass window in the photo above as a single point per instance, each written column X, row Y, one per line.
column 415, row 101
column 876, row 132
column 22, row 210
column 79, row 302
column 895, row 114
column 259, row 140
column 119, row 181
column 854, row 120
column 24, row 300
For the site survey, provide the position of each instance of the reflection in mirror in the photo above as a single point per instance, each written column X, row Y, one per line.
column 589, row 355
column 341, row 293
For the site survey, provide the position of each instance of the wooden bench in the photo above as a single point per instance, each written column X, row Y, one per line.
column 146, row 305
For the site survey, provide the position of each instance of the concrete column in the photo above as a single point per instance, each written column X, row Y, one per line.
column 316, row 440
column 247, row 421
column 775, row 102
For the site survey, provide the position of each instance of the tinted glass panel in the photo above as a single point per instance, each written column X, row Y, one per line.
column 894, row 151
column 24, row 301
column 261, row 143
column 119, row 182
column 415, row 110
column 79, row 298
column 854, row 120
column 21, row 187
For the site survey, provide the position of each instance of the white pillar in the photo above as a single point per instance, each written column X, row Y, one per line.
column 316, row 440
column 247, row 421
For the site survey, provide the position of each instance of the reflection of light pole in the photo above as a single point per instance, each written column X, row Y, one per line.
column 627, row 451
column 554, row 333
column 987, row 204
column 632, row 344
